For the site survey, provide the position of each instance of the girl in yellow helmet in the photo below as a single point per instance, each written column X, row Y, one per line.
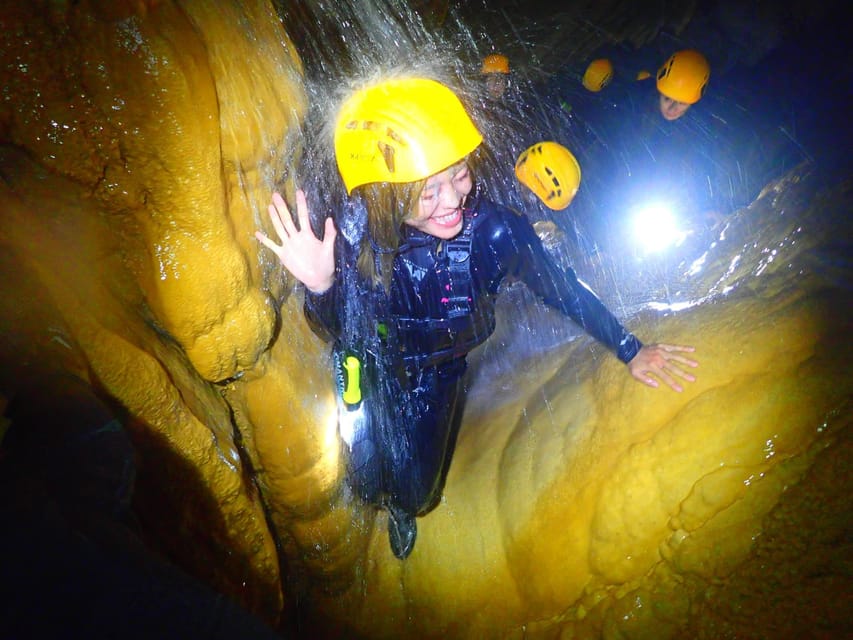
column 406, row 295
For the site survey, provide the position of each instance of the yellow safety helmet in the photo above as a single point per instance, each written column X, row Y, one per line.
column 684, row 76
column 495, row 63
column 598, row 75
column 642, row 74
column 401, row 130
column 550, row 171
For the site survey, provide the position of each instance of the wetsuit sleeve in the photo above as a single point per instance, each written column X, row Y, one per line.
column 563, row 291
column 322, row 312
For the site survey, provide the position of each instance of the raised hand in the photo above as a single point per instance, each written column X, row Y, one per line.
column 662, row 361
column 309, row 259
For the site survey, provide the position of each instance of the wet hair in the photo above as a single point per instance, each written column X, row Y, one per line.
column 388, row 205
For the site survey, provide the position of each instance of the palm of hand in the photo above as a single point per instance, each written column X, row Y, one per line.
column 308, row 258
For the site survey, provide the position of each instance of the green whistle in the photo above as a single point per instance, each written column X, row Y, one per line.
column 352, row 388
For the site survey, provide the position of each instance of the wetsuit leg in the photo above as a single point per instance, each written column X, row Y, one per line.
column 455, row 422
column 364, row 468
column 419, row 447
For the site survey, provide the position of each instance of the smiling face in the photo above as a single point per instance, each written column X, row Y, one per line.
column 672, row 109
column 439, row 208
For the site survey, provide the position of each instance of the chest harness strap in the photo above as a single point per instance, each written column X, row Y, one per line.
column 456, row 254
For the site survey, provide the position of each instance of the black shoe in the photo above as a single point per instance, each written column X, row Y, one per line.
column 402, row 531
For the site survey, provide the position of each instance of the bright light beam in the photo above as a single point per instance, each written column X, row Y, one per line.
column 655, row 228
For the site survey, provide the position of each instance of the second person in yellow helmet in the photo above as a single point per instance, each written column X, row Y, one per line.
column 404, row 283
column 495, row 71
column 681, row 82
column 656, row 137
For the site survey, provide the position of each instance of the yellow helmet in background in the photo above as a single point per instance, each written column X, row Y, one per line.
column 495, row 63
column 684, row 76
column 550, row 171
column 598, row 75
column 642, row 74
column 401, row 130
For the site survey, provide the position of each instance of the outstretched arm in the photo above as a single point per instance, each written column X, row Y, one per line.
column 514, row 239
column 662, row 361
column 309, row 259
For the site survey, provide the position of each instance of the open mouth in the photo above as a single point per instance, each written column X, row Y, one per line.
column 449, row 219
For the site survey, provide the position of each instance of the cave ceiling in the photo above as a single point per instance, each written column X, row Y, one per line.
column 542, row 37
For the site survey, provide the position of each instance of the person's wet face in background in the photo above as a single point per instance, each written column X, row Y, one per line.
column 496, row 84
column 672, row 109
column 495, row 71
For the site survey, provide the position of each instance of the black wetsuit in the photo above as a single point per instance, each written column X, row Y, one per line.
column 441, row 305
